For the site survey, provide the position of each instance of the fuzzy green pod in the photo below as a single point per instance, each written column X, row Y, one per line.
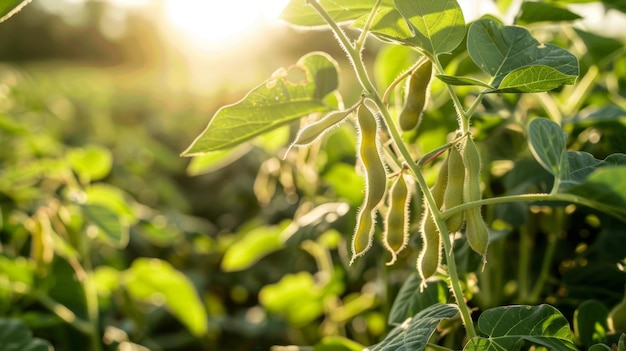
column 429, row 257
column 453, row 195
column 375, row 182
column 396, row 234
column 416, row 95
column 439, row 188
column 310, row 133
column 476, row 228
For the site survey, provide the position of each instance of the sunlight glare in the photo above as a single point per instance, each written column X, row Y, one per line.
column 213, row 24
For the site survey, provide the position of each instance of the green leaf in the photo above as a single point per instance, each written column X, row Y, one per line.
column 337, row 343
column 114, row 228
column 581, row 164
column 156, row 281
column 255, row 245
column 600, row 49
column 299, row 13
column 606, row 187
column 532, row 12
column 391, row 61
column 453, row 80
column 213, row 161
column 499, row 50
column 288, row 95
column 92, row 162
column 590, row 322
column 599, row 347
column 387, row 23
column 410, row 300
column 507, row 327
column 438, row 25
column 607, row 115
column 112, row 198
column 621, row 344
column 9, row 8
column 547, row 144
column 533, row 79
column 15, row 336
column 414, row 333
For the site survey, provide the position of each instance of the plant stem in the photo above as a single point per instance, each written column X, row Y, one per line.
column 526, row 247
column 552, row 237
column 361, row 73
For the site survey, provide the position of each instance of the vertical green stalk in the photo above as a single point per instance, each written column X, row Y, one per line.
column 525, row 248
column 355, row 57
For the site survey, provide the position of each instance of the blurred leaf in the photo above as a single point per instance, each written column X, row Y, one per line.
column 621, row 345
column 391, row 61
column 296, row 296
column 156, row 281
column 499, row 50
column 17, row 270
column 9, row 8
column 452, row 80
column 337, row 343
column 213, row 161
column 288, row 95
column 534, row 79
column 604, row 114
column 15, row 336
column 599, row 48
column 547, row 144
column 414, row 334
column 299, row 13
column 345, row 182
column 606, row 187
column 532, row 12
column 617, row 316
column 581, row 164
column 439, row 25
column 106, row 279
column 599, row 347
column 91, row 162
column 590, row 322
column 410, row 300
column 110, row 224
column 507, row 327
column 255, row 245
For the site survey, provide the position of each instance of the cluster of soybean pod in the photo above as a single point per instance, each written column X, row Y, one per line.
column 457, row 182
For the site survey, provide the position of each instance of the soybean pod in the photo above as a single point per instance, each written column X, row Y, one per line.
column 453, row 195
column 476, row 231
column 430, row 257
column 396, row 234
column 375, row 182
column 416, row 95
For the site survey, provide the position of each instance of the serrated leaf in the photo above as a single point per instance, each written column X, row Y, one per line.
column 299, row 13
column 439, row 25
column 507, row 327
column 9, row 8
column 532, row 12
column 288, row 95
column 453, row 80
column 114, row 228
column 410, row 300
column 499, row 50
column 533, row 79
column 153, row 280
column 414, row 333
column 15, row 336
column 547, row 144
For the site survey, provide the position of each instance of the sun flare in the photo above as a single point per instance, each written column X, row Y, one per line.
column 214, row 24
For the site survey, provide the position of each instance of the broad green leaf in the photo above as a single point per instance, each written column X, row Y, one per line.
column 453, row 80
column 499, row 50
column 288, row 95
column 414, row 333
column 156, row 281
column 590, row 322
column 532, row 12
column 299, row 13
column 255, row 245
column 547, row 144
column 438, row 24
column 581, row 164
column 15, row 336
column 296, row 296
column 112, row 198
column 533, row 79
column 600, row 49
column 410, row 300
column 114, row 228
column 91, row 162
column 387, row 23
column 599, row 347
column 213, row 161
column 9, row 8
column 337, row 343
column 606, row 187
column 607, row 114
column 507, row 327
